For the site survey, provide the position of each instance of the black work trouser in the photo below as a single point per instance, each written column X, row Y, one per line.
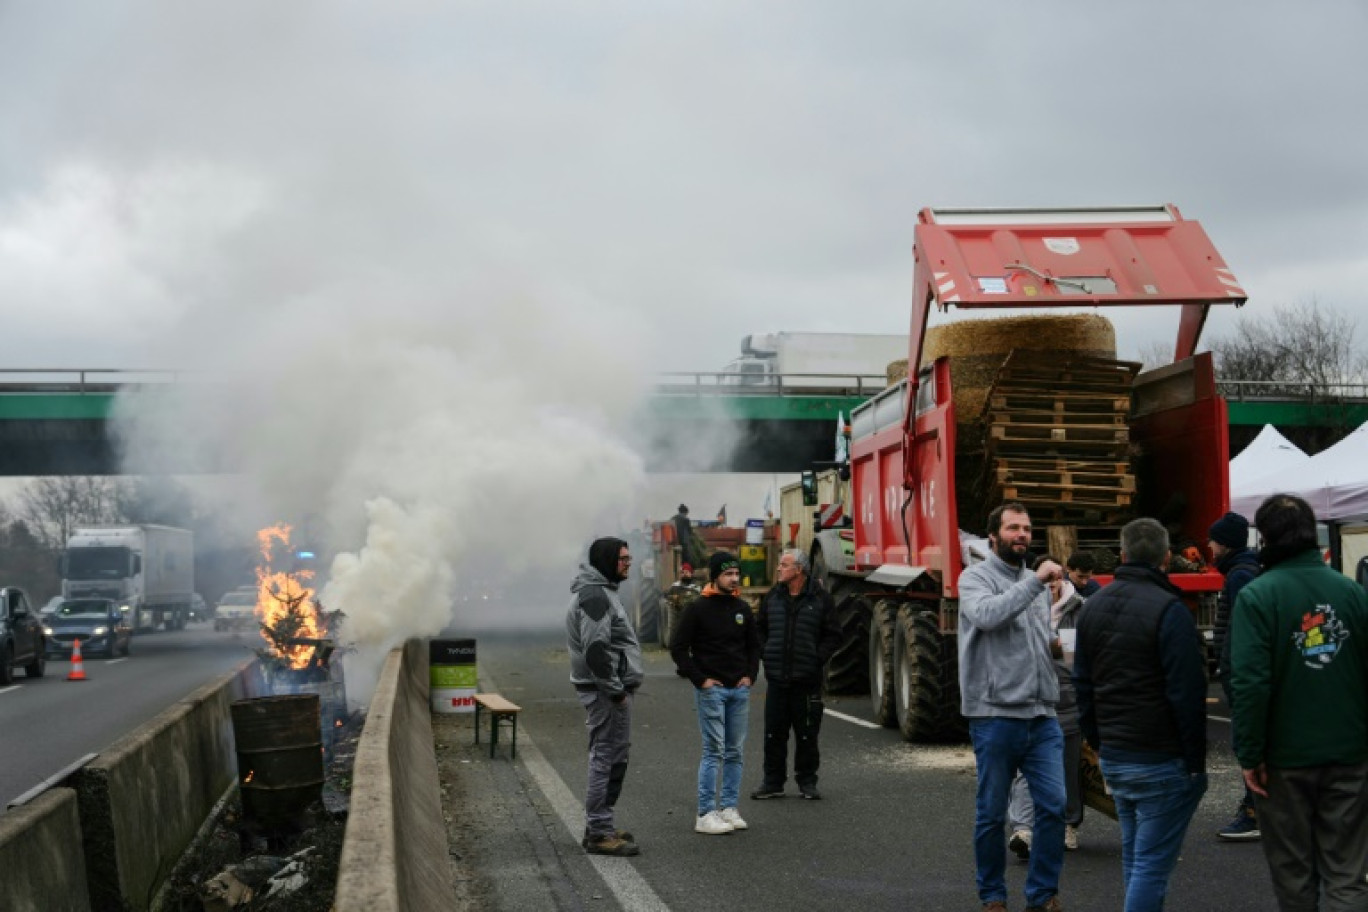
column 797, row 707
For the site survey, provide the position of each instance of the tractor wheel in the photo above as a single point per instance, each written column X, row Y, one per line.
column 926, row 686
column 38, row 666
column 882, row 631
column 848, row 670
column 6, row 666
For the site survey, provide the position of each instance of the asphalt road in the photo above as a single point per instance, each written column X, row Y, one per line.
column 50, row 722
column 894, row 830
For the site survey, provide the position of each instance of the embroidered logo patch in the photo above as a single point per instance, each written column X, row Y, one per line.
column 740, row 618
column 1320, row 636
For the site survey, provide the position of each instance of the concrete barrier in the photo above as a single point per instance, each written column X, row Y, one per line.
column 394, row 855
column 43, row 870
column 145, row 797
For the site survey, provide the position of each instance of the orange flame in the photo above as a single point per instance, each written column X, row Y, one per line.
column 251, row 774
column 279, row 592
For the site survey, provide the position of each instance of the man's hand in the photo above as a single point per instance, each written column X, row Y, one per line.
column 744, row 682
column 1257, row 780
column 709, row 683
column 1049, row 572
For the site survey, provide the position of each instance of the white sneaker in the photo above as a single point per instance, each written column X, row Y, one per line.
column 712, row 824
column 733, row 816
column 1071, row 838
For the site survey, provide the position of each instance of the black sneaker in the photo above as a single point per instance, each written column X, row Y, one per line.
column 767, row 791
column 810, row 792
column 1244, row 828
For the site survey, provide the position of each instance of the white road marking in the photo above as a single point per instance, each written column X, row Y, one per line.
column 630, row 888
column 11, row 687
column 1220, row 719
column 844, row 718
column 116, row 661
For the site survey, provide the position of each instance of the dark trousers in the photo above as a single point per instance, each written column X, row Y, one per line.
column 797, row 707
column 1315, row 837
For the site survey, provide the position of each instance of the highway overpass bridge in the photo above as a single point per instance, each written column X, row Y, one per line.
column 56, row 422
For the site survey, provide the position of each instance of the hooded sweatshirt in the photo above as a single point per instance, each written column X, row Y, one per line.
column 1005, row 666
column 605, row 654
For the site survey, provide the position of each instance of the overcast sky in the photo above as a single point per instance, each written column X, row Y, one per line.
column 453, row 241
column 713, row 168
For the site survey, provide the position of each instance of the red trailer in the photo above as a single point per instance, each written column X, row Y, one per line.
column 895, row 572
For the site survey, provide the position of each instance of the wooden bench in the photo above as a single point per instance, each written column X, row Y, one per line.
column 500, row 711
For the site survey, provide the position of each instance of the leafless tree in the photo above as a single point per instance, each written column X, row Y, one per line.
column 1293, row 350
column 52, row 507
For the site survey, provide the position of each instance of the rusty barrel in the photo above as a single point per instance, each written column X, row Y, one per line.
column 280, row 757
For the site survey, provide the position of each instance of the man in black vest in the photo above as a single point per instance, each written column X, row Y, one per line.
column 1141, row 680
column 799, row 632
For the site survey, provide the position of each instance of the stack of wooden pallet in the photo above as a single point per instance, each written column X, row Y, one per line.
column 1057, row 441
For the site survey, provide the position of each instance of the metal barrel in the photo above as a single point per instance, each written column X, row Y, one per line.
column 280, row 757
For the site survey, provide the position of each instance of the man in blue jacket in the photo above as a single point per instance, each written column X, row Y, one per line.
column 1008, row 692
column 1228, row 540
column 1140, row 674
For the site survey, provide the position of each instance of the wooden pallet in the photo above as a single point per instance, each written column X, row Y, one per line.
column 1047, row 512
column 1006, row 434
column 1056, row 402
column 1064, row 494
column 1081, row 473
column 1020, row 416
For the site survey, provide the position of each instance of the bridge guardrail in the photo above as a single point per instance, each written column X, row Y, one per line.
column 689, row 383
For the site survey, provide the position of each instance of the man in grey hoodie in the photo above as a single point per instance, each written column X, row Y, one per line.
column 606, row 669
column 1008, row 692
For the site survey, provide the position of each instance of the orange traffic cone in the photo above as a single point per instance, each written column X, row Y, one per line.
column 77, row 672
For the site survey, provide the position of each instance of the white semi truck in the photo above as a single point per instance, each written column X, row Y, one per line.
column 816, row 360
column 148, row 569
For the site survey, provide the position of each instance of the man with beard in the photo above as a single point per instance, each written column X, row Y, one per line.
column 1008, row 692
column 606, row 669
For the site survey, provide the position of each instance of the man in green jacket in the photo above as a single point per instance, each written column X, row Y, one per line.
column 1299, row 652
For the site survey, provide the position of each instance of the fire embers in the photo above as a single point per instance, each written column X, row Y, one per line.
column 292, row 622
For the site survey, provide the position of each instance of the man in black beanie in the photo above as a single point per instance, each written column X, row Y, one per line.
column 1229, row 545
column 606, row 669
column 717, row 647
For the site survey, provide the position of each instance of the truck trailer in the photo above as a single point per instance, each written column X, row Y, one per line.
column 150, row 570
column 1151, row 444
column 812, row 360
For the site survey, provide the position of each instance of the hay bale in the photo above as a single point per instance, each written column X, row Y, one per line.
column 977, row 349
column 897, row 371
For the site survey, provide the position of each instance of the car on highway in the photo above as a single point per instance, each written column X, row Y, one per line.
column 102, row 625
column 237, row 610
column 51, row 606
column 22, row 643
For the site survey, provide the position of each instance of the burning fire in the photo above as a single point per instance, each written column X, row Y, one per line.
column 251, row 774
column 285, row 604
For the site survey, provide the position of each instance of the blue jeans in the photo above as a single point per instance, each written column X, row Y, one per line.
column 1154, row 802
column 1035, row 747
column 723, row 714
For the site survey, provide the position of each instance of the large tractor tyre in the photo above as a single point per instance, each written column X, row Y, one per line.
column 926, row 686
column 38, row 666
column 848, row 670
column 882, row 632
column 6, row 666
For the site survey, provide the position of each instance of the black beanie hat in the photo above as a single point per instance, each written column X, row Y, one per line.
column 720, row 563
column 1231, row 530
column 603, row 557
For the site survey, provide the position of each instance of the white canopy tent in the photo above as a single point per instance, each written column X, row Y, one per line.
column 1269, row 455
column 1334, row 482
